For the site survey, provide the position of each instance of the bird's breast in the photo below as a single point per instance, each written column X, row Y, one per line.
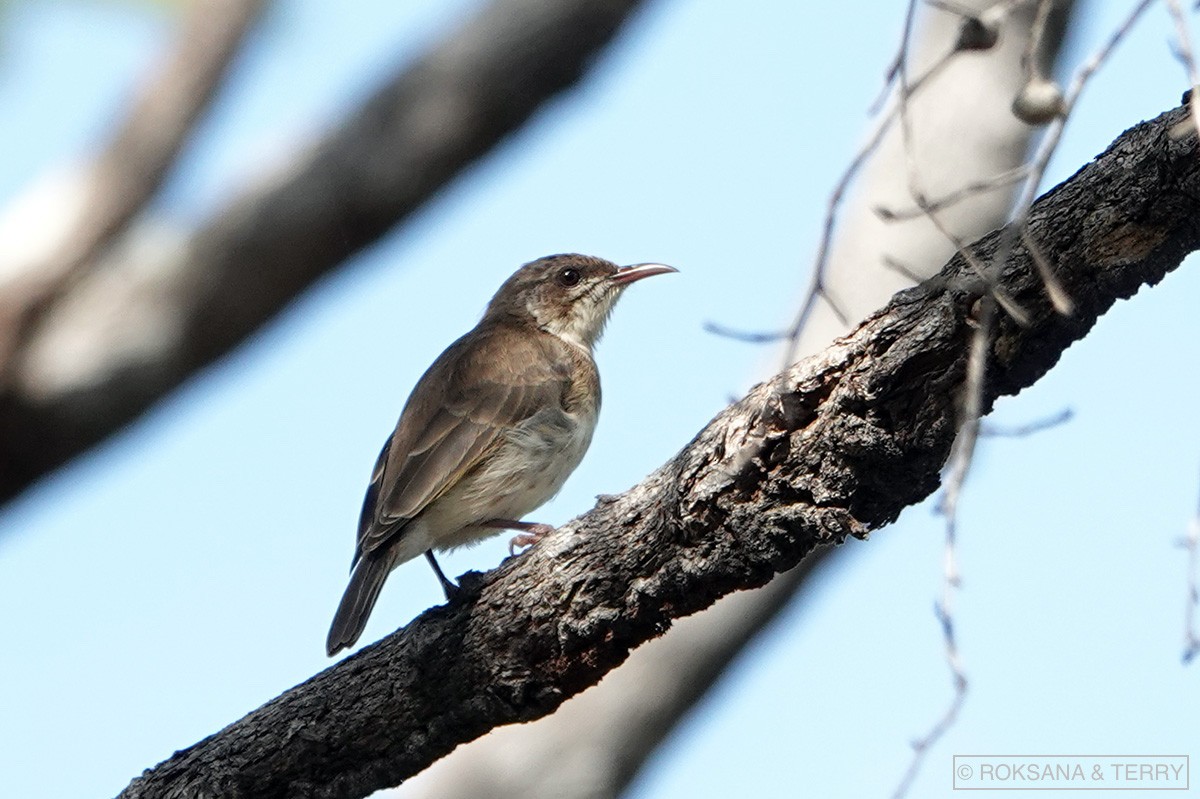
column 527, row 468
column 539, row 454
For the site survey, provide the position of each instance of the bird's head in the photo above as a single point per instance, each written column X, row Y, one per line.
column 570, row 295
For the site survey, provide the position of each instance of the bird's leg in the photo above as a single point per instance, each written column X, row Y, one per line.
column 531, row 532
column 451, row 590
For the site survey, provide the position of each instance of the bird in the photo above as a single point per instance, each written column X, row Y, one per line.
column 491, row 431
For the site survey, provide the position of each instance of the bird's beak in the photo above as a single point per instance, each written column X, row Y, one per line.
column 628, row 274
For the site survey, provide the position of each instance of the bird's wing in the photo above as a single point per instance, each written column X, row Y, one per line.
column 460, row 408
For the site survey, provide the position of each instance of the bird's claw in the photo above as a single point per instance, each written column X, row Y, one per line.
column 530, row 536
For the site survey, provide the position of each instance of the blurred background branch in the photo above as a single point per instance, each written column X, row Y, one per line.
column 109, row 343
column 40, row 263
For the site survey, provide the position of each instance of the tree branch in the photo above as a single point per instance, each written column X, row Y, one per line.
column 124, row 176
column 595, row 744
column 133, row 330
column 835, row 445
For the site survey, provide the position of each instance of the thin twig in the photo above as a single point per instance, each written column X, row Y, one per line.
column 1191, row 637
column 1027, row 429
column 1018, row 229
column 999, row 181
column 1049, row 144
column 918, row 194
column 817, row 288
column 988, row 276
column 1183, row 51
column 1059, row 298
column 901, row 268
column 1033, row 45
column 969, row 426
column 718, row 329
column 961, row 458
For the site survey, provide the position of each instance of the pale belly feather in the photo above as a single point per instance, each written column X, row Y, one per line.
column 527, row 470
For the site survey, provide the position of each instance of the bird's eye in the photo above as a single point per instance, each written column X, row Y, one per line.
column 568, row 277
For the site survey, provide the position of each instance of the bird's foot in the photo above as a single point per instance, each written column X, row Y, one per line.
column 448, row 587
column 531, row 532
column 522, row 540
column 451, row 589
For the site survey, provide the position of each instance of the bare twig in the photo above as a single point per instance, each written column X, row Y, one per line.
column 718, row 329
column 1033, row 173
column 969, row 424
column 922, row 746
column 817, row 287
column 1191, row 637
column 1062, row 301
column 1006, row 178
column 969, row 419
column 1018, row 230
column 1033, row 45
column 1002, row 298
column 961, row 458
column 915, row 188
column 1029, row 428
column 929, row 208
column 1183, row 51
column 1049, row 144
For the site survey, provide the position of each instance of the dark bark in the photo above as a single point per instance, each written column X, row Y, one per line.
column 836, row 445
column 439, row 115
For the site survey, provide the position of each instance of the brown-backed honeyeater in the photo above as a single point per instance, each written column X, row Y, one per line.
column 492, row 429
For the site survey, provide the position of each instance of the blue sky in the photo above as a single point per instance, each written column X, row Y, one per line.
column 186, row 572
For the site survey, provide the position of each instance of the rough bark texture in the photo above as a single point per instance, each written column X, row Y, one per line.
column 131, row 331
column 595, row 744
column 836, row 445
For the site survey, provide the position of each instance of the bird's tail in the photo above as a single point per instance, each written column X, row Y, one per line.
column 365, row 582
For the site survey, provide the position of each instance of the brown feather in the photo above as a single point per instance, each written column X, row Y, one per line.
column 460, row 409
